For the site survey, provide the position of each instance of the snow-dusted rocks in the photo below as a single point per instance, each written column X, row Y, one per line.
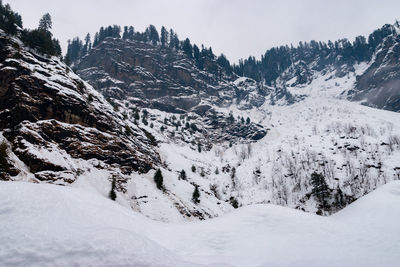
column 379, row 85
column 150, row 76
column 52, row 120
column 239, row 141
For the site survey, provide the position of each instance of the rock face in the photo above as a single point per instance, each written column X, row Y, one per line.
column 168, row 80
column 60, row 130
column 379, row 85
column 48, row 112
column 161, row 78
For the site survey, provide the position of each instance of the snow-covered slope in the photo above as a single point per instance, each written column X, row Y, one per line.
column 60, row 130
column 356, row 148
column 48, row 225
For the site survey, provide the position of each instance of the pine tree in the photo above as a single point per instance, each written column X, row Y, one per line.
column 45, row 23
column 152, row 34
column 173, row 40
column 96, row 39
column 193, row 127
column 125, row 34
column 182, row 175
column 164, row 36
column 196, row 195
column 9, row 20
column 187, row 48
column 3, row 157
column 339, row 198
column 193, row 168
column 136, row 115
column 159, row 180
column 196, row 53
column 112, row 195
column 231, row 118
column 87, row 46
column 320, row 188
column 131, row 33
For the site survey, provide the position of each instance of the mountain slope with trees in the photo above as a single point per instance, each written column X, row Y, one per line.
column 285, row 66
column 173, row 132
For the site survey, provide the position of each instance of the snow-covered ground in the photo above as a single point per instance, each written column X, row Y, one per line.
column 49, row 225
column 354, row 146
column 351, row 144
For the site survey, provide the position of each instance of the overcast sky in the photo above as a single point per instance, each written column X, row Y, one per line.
column 237, row 28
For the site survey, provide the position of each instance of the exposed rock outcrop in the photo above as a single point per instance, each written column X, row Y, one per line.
column 47, row 110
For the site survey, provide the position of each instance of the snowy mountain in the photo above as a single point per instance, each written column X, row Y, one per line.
column 52, row 120
column 311, row 126
column 219, row 141
column 48, row 225
column 137, row 150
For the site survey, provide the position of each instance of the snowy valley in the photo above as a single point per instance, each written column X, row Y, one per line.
column 145, row 150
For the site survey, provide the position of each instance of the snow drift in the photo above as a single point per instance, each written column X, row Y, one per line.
column 48, row 225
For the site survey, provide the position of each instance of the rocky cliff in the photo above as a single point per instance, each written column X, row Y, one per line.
column 51, row 117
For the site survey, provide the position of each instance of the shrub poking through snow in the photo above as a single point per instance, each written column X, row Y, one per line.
column 182, row 175
column 234, row 202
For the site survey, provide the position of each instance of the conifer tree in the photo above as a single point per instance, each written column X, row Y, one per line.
column 152, row 34
column 196, row 195
column 125, row 34
column 196, row 53
column 164, row 36
column 320, row 188
column 112, row 195
column 41, row 38
column 45, row 23
column 87, row 46
column 187, row 48
column 3, row 157
column 159, row 180
column 182, row 175
column 131, row 33
column 9, row 20
column 173, row 40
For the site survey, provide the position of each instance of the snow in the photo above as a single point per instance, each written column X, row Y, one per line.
column 290, row 131
column 48, row 225
column 296, row 132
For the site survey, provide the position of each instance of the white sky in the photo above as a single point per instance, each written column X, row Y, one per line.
column 238, row 28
